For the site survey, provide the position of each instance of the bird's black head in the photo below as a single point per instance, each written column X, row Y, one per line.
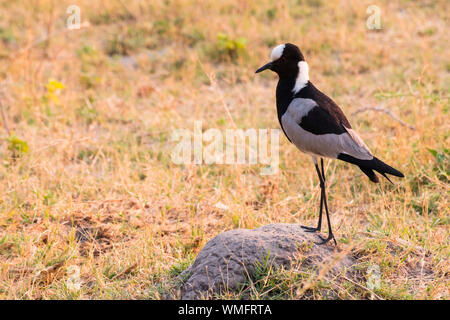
column 284, row 60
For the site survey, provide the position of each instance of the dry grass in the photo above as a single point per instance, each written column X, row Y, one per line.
column 86, row 179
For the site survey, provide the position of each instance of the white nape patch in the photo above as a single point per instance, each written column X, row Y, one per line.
column 302, row 77
column 277, row 52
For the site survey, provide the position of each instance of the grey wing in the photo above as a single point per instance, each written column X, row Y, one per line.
column 313, row 130
column 354, row 146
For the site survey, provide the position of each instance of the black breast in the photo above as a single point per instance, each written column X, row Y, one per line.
column 284, row 98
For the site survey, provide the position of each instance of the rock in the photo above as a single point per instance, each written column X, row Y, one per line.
column 225, row 260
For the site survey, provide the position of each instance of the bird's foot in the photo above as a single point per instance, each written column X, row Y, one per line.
column 325, row 240
column 311, row 229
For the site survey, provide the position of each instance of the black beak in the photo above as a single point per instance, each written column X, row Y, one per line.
column 264, row 67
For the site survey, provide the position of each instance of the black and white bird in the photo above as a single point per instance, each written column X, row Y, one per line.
column 316, row 125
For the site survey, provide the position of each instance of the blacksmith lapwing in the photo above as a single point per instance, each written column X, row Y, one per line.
column 316, row 125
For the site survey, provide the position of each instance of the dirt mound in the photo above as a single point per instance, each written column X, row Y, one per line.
column 227, row 259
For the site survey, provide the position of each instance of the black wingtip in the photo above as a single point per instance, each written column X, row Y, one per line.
column 369, row 166
column 384, row 175
column 369, row 172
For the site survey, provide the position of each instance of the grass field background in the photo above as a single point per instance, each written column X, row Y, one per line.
column 89, row 194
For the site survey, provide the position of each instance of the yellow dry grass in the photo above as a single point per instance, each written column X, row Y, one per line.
column 97, row 192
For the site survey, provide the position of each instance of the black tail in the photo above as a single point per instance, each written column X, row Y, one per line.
column 367, row 166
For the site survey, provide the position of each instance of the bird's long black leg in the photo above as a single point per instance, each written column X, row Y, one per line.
column 330, row 232
column 323, row 172
column 322, row 194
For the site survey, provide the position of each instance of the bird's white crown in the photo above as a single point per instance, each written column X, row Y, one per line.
column 277, row 52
